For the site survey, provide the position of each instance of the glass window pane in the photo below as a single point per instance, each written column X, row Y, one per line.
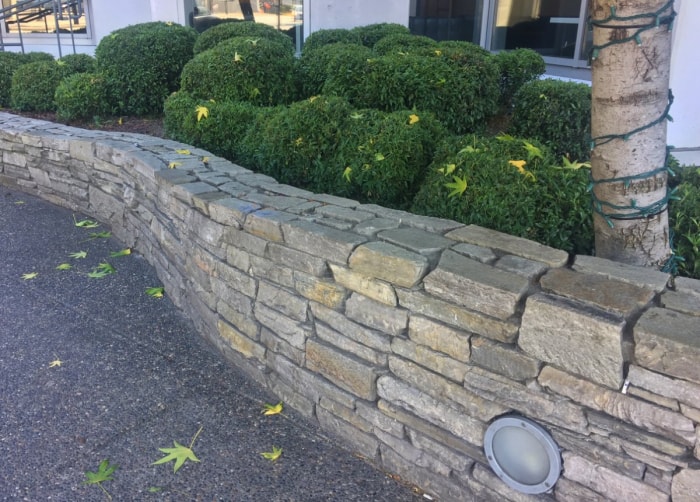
column 548, row 26
column 446, row 19
column 38, row 17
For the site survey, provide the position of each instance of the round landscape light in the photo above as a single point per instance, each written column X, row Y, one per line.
column 522, row 454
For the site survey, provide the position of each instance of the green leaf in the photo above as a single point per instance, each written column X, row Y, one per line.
column 155, row 292
column 31, row 275
column 64, row 266
column 533, row 152
column 573, row 165
column 101, row 270
column 458, row 187
column 272, row 455
column 101, row 235
column 79, row 255
column 104, row 473
column 86, row 223
column 123, row 252
column 346, row 174
column 180, row 454
column 272, row 409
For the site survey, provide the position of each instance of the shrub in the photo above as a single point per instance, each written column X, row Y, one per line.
column 517, row 67
column 557, row 113
column 373, row 33
column 240, row 69
column 510, row 185
column 142, row 65
column 80, row 96
column 684, row 219
column 33, row 57
column 34, row 85
column 212, row 37
column 79, row 63
column 314, row 66
column 321, row 38
column 9, row 62
column 220, row 131
column 402, row 42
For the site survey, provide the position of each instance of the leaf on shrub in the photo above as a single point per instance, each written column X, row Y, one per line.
column 533, row 152
column 459, row 186
column 183, row 151
column 413, row 118
column 505, row 137
column 253, row 41
column 469, row 149
column 356, row 116
column 202, row 112
column 120, row 121
column 173, row 165
column 346, row 174
column 520, row 166
column 438, row 53
column 573, row 165
column 237, row 58
column 379, row 157
column 448, row 169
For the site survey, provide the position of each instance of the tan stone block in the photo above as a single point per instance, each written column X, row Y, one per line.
column 348, row 372
column 439, row 337
column 365, row 285
column 388, row 262
column 322, row 291
column 241, row 343
column 503, row 360
column 435, row 361
column 671, row 388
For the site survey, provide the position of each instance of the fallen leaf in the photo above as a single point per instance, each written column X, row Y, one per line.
column 64, row 266
column 237, row 58
column 123, row 252
column 173, row 165
column 272, row 409
column 180, row 454
column 20, row 202
column 86, row 223
column 272, row 455
column 55, row 363
column 104, row 473
column 31, row 275
column 183, row 151
column 101, row 235
column 155, row 292
column 102, row 270
column 79, row 255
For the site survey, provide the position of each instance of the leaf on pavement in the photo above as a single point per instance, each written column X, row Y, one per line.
column 101, row 235
column 104, row 473
column 272, row 409
column 183, row 151
column 180, row 454
column 86, row 223
column 79, row 255
column 55, row 363
column 272, row 455
column 64, row 266
column 155, row 292
column 31, row 275
column 123, row 252
column 101, row 270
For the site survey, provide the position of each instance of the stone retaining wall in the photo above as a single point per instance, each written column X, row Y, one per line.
column 403, row 335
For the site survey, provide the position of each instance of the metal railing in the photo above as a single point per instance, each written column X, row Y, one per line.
column 25, row 11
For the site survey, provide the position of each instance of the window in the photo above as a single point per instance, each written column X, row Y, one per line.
column 44, row 17
column 447, row 19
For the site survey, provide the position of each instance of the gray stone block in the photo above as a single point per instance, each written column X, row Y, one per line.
column 503, row 360
column 327, row 243
column 283, row 301
column 391, row 320
column 439, row 337
column 390, row 263
column 365, row 285
column 368, row 337
column 267, row 224
column 336, row 339
column 290, row 330
column 319, row 290
column 644, row 277
column 434, row 361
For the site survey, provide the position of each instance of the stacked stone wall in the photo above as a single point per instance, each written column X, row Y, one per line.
column 403, row 335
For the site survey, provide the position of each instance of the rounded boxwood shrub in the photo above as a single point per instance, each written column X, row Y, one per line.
column 373, row 33
column 510, row 185
column 517, row 67
column 321, row 38
column 33, row 57
column 557, row 113
column 142, row 64
column 9, row 62
column 314, row 66
column 79, row 63
column 34, row 85
column 82, row 96
column 212, row 37
column 402, row 42
column 240, row 69
column 218, row 127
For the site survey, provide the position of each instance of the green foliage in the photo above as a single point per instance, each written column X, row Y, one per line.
column 212, row 37
column 9, row 62
column 402, row 42
column 322, row 38
column 142, row 65
column 220, row 132
column 459, row 87
column 557, row 113
column 510, row 185
column 313, row 66
column 373, row 33
column 79, row 63
column 242, row 69
column 81, row 96
column 684, row 219
column 517, row 67
column 34, row 84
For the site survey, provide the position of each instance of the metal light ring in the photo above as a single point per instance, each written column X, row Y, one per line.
column 542, row 437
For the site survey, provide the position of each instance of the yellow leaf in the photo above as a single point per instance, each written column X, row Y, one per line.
column 518, row 164
column 450, row 169
column 183, row 151
column 379, row 157
column 272, row 455
column 156, row 292
column 299, row 141
column 55, row 363
column 202, row 112
column 413, row 118
column 169, row 23
column 120, row 121
column 31, row 275
column 346, row 173
column 272, row 409
column 438, row 53
column 173, row 165
column 205, row 160
column 237, row 58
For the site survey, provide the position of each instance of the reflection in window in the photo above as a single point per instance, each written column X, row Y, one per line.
column 446, row 19
column 44, row 16
column 551, row 27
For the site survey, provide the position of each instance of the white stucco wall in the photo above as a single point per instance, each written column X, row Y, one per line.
column 323, row 14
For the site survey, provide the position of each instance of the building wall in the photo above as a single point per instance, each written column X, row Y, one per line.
column 402, row 335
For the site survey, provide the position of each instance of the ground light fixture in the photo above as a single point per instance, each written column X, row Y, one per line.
column 523, row 454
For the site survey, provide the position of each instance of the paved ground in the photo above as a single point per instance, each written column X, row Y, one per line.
column 134, row 377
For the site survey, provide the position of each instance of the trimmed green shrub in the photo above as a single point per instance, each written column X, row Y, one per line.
column 510, row 185
column 314, row 66
column 218, row 127
column 34, row 85
column 82, row 96
column 684, row 219
column 402, row 42
column 9, row 62
column 517, row 67
column 321, row 38
column 212, row 37
column 79, row 63
column 142, row 65
column 240, row 69
column 373, row 33
column 557, row 113
column 33, row 57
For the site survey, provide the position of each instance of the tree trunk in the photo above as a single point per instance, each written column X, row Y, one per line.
column 630, row 74
column 247, row 10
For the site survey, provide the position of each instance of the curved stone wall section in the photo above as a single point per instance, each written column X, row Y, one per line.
column 403, row 335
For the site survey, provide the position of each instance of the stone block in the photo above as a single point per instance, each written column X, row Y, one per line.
column 508, row 244
column 419, row 241
column 355, row 440
column 271, row 271
column 230, row 211
column 608, row 294
column 668, row 342
column 370, row 338
column 344, row 213
column 503, row 360
column 435, row 361
column 241, row 239
column 297, row 260
column 681, row 302
column 522, row 266
column 379, row 420
column 479, row 287
column 608, row 482
column 291, row 330
column 289, row 396
column 236, row 280
column 478, row 253
column 388, row 262
column 239, row 317
column 346, row 414
column 279, row 345
column 335, row 339
column 439, row 337
column 391, row 320
column 431, row 307
column 365, row 285
column 415, row 456
column 283, row 301
column 267, row 224
column 241, row 343
column 322, row 291
column 643, row 277
column 374, row 225
column 452, row 458
column 568, row 334
column 628, row 409
column 327, row 243
column 349, row 372
column 685, row 392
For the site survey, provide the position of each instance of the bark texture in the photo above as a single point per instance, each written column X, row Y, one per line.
column 630, row 99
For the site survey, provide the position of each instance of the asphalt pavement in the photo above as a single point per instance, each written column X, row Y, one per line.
column 93, row 369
